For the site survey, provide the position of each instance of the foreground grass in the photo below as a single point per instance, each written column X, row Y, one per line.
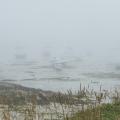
column 111, row 112
column 105, row 112
column 86, row 104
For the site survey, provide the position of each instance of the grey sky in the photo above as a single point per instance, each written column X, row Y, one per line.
column 82, row 26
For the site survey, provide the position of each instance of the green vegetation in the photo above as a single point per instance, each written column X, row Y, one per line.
column 104, row 112
column 111, row 111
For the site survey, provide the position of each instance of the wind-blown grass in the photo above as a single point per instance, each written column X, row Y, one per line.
column 85, row 104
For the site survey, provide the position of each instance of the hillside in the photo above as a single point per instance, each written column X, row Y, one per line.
column 17, row 94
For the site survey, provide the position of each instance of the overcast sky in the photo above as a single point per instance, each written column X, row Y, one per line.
column 76, row 27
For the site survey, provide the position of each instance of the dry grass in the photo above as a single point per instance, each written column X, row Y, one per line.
column 85, row 104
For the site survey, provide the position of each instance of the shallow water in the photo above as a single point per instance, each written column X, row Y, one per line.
column 73, row 85
column 49, row 78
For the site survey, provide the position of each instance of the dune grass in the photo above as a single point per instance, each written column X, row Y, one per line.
column 104, row 112
column 85, row 104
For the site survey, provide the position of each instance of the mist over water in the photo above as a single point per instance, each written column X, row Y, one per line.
column 64, row 28
column 58, row 41
column 59, row 59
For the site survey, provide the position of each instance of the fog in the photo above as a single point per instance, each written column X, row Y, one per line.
column 79, row 28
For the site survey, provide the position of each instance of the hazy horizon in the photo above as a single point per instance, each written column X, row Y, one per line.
column 74, row 28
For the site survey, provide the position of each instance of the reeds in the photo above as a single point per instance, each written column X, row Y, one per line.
column 84, row 104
